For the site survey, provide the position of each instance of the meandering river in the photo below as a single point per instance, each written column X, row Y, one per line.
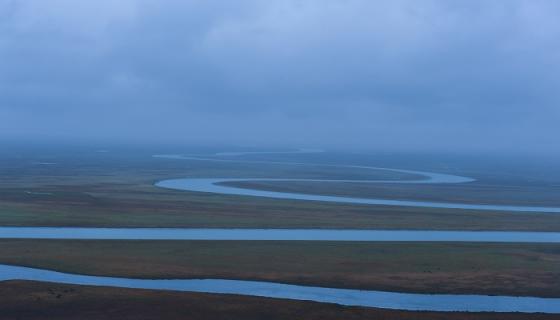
column 215, row 185
column 366, row 298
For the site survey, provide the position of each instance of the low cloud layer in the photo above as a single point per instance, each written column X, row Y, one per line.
column 441, row 75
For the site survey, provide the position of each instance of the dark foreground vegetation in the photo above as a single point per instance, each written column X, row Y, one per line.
column 38, row 300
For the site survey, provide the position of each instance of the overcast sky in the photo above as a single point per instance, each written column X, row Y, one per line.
column 440, row 75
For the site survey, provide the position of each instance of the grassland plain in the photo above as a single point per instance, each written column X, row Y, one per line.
column 493, row 269
column 103, row 190
column 35, row 300
column 116, row 189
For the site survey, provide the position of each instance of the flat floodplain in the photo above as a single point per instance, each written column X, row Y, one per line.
column 116, row 190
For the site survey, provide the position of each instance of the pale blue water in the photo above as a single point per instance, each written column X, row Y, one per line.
column 365, row 298
column 212, row 185
column 275, row 234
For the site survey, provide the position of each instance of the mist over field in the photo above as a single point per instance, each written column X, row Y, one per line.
column 443, row 76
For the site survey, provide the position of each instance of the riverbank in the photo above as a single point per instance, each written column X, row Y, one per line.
column 457, row 268
column 39, row 300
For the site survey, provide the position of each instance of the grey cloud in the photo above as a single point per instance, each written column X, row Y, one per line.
column 424, row 74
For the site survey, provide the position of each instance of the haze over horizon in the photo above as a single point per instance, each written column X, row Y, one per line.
column 402, row 75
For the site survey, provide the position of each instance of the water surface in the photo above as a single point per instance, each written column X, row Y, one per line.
column 275, row 234
column 350, row 297
column 215, row 185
